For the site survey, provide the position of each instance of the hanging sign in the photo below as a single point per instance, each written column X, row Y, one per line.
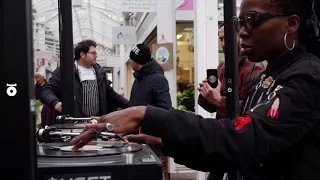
column 124, row 35
column 163, row 54
column 138, row 5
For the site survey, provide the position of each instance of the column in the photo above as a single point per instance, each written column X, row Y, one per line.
column 206, row 48
column 66, row 47
column 17, row 91
column 123, row 69
column 124, row 56
column 166, row 27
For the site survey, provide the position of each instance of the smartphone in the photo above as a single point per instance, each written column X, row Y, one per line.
column 212, row 77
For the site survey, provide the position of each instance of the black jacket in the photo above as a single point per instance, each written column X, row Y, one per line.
column 38, row 89
column 150, row 87
column 276, row 138
column 109, row 100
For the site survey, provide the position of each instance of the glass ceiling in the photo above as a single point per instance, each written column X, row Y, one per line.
column 92, row 19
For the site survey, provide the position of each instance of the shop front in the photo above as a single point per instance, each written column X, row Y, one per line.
column 185, row 63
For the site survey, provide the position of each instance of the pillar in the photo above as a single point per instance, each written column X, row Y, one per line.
column 166, row 33
column 124, row 56
column 206, row 48
column 123, row 69
column 166, row 27
column 17, row 91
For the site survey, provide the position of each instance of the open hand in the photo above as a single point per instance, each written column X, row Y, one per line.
column 58, row 107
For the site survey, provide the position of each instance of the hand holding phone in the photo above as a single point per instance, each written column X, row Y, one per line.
column 212, row 77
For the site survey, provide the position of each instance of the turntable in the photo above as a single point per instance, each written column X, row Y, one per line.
column 106, row 160
column 68, row 128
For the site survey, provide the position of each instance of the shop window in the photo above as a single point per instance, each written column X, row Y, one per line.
column 185, row 67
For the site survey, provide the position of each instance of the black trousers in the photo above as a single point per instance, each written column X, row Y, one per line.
column 213, row 176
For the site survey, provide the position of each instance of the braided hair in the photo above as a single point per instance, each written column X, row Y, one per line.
column 309, row 14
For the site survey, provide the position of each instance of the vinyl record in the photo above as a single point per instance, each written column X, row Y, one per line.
column 100, row 148
column 67, row 126
column 84, row 148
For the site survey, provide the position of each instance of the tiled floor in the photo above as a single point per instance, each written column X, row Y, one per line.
column 183, row 176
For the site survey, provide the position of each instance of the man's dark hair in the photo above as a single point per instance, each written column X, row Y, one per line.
column 84, row 47
column 307, row 15
column 221, row 25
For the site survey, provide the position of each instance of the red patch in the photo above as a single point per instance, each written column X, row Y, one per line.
column 275, row 117
column 273, row 111
column 241, row 122
column 269, row 112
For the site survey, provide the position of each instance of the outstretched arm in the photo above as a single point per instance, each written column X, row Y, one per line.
column 248, row 140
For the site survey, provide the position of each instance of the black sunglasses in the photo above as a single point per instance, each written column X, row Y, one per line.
column 253, row 19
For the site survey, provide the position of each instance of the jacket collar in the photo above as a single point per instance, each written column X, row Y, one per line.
column 149, row 68
column 286, row 59
column 100, row 73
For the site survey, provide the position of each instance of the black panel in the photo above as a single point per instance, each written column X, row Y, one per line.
column 116, row 167
column 231, row 63
column 67, row 58
column 231, row 57
column 18, row 153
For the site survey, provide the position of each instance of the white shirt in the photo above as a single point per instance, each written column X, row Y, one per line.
column 86, row 73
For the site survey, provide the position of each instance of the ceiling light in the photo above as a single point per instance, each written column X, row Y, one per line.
column 179, row 36
column 188, row 29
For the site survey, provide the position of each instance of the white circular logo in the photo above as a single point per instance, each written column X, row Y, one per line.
column 11, row 90
column 162, row 55
column 212, row 79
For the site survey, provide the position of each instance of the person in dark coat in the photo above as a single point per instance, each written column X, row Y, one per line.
column 150, row 86
column 93, row 94
column 40, row 83
column 276, row 135
column 48, row 115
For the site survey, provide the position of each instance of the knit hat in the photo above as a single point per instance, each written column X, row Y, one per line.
column 140, row 54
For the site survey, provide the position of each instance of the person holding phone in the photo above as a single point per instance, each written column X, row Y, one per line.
column 212, row 95
column 276, row 136
column 213, row 99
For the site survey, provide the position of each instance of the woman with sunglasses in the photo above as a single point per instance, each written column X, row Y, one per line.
column 277, row 134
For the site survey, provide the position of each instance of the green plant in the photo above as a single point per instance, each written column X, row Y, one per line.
column 38, row 112
column 185, row 99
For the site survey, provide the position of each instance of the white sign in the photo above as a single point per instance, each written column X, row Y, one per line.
column 162, row 55
column 139, row 5
column 124, row 35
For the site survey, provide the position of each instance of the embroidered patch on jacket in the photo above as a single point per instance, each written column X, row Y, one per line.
column 241, row 122
column 267, row 82
column 273, row 112
column 274, row 93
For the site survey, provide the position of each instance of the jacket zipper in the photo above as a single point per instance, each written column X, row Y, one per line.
column 254, row 94
column 258, row 105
